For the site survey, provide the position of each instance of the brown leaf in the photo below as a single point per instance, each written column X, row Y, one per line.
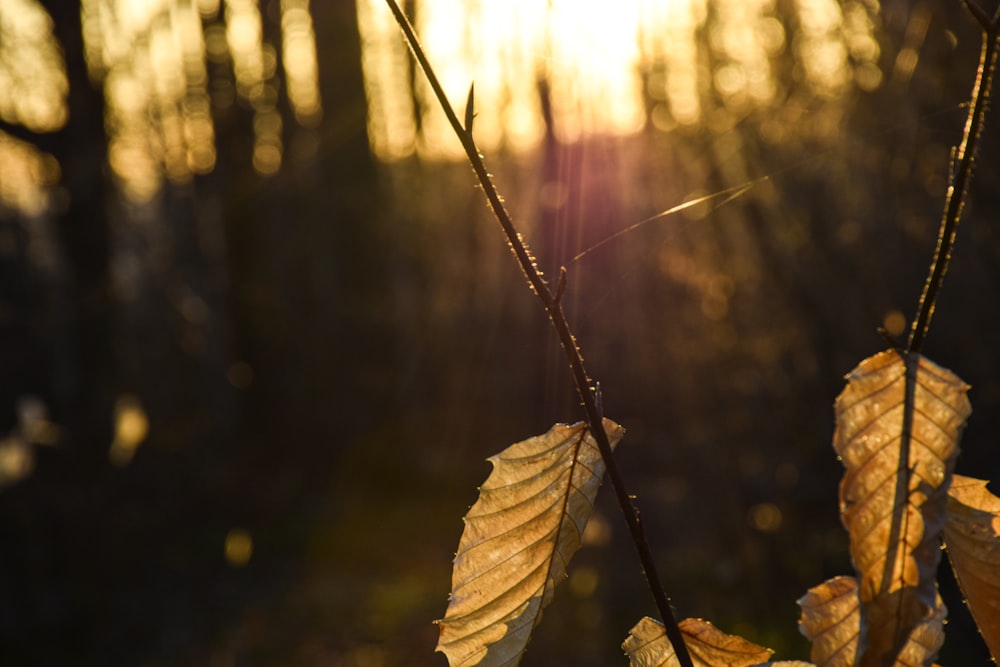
column 898, row 425
column 831, row 620
column 972, row 535
column 519, row 537
column 647, row 646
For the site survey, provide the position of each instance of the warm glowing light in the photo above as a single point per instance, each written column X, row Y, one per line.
column 28, row 175
column 392, row 128
column 208, row 9
column 254, row 65
column 822, row 53
column 594, row 68
column 894, row 323
column 131, row 429
column 238, row 547
column 746, row 37
column 597, row 533
column 33, row 82
column 298, row 54
column 33, row 422
column 16, row 460
column 151, row 57
column 765, row 517
column 669, row 34
column 244, row 35
column 603, row 68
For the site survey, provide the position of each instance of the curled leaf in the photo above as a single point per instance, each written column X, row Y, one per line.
column 518, row 540
column 972, row 535
column 831, row 620
column 898, row 424
column 647, row 646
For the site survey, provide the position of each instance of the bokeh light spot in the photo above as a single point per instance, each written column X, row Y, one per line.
column 894, row 323
column 765, row 517
column 238, row 547
column 131, row 428
column 583, row 581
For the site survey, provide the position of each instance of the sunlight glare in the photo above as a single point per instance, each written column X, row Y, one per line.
column 447, row 35
column 603, row 69
column 500, row 40
column 33, row 84
column 298, row 55
column 821, row 52
column 594, row 68
column 392, row 127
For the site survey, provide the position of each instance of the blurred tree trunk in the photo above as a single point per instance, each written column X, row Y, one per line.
column 82, row 363
column 304, row 261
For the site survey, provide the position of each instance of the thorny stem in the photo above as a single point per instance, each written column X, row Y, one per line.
column 961, row 175
column 959, row 178
column 553, row 307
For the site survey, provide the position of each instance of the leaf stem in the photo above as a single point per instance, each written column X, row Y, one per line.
column 552, row 303
column 961, row 175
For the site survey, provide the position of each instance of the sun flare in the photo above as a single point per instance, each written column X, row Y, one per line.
column 601, row 69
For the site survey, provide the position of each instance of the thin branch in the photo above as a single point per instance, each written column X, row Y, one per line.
column 961, row 175
column 553, row 307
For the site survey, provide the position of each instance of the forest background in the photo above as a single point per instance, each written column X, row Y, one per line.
column 260, row 333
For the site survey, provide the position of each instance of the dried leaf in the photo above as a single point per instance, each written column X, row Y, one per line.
column 972, row 535
column 647, row 646
column 831, row 621
column 898, row 424
column 518, row 539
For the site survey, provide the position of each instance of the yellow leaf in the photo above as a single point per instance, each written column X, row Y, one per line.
column 972, row 535
column 647, row 646
column 831, row 620
column 519, row 537
column 898, row 425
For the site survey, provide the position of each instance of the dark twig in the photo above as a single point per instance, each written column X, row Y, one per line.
column 960, row 176
column 560, row 285
column 553, row 307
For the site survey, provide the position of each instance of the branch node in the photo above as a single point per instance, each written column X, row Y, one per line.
column 560, row 287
